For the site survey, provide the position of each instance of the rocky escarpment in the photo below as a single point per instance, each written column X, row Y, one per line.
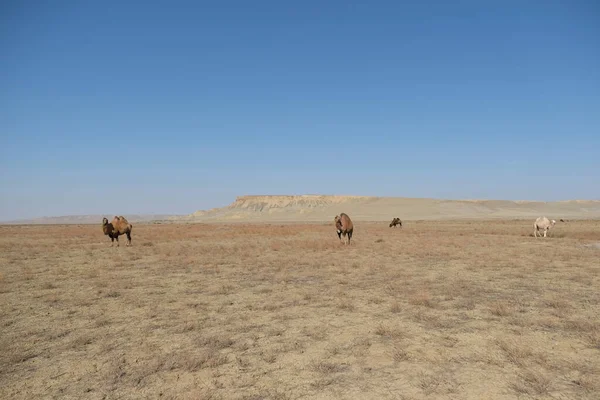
column 266, row 203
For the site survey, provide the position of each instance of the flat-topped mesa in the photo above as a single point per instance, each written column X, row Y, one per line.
column 315, row 207
column 259, row 203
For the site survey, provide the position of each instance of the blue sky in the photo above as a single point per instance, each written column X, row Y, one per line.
column 172, row 107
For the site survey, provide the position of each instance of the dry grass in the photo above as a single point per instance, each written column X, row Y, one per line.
column 462, row 309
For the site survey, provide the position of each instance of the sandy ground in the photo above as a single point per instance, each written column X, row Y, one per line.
column 451, row 310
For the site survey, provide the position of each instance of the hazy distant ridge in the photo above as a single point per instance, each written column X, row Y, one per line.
column 89, row 219
column 317, row 208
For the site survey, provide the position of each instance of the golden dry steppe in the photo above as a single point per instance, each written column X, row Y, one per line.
column 465, row 308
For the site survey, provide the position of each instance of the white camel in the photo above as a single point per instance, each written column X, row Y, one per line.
column 542, row 223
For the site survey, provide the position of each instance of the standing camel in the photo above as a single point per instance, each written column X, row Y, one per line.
column 344, row 227
column 118, row 226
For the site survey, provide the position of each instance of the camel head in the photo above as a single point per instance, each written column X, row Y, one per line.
column 338, row 223
column 104, row 221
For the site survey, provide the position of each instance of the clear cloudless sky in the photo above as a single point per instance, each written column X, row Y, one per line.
column 174, row 106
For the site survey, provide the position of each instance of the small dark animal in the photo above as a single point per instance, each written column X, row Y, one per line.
column 118, row 226
column 396, row 221
column 344, row 227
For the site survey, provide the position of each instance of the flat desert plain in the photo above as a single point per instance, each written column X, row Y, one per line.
column 445, row 310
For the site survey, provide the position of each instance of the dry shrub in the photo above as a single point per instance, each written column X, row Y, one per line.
column 208, row 358
column 466, row 303
column 325, row 367
column 396, row 307
column 269, row 357
column 438, row 381
column 49, row 286
column 276, row 331
column 27, row 274
column 346, row 305
column 18, row 356
column 593, row 339
column 548, row 322
column 432, row 320
column 112, row 294
column 82, row 341
column 225, row 289
column 532, row 383
column 501, row 309
column 393, row 289
column 187, row 327
column 400, row 354
column 519, row 320
column 514, row 352
column 376, row 300
column 582, row 325
column 321, row 383
column 557, row 303
column 590, row 384
column 359, row 347
column 389, row 332
column 215, row 342
column 421, row 298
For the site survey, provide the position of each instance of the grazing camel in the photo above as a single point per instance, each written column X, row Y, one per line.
column 542, row 223
column 396, row 221
column 118, row 226
column 344, row 227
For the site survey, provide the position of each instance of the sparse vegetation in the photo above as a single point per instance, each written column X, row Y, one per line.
column 252, row 311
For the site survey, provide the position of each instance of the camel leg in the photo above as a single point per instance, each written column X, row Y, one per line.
column 128, row 238
column 535, row 232
column 117, row 239
column 545, row 230
column 112, row 241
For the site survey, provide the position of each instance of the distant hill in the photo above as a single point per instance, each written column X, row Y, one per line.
column 89, row 219
column 320, row 208
column 324, row 208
